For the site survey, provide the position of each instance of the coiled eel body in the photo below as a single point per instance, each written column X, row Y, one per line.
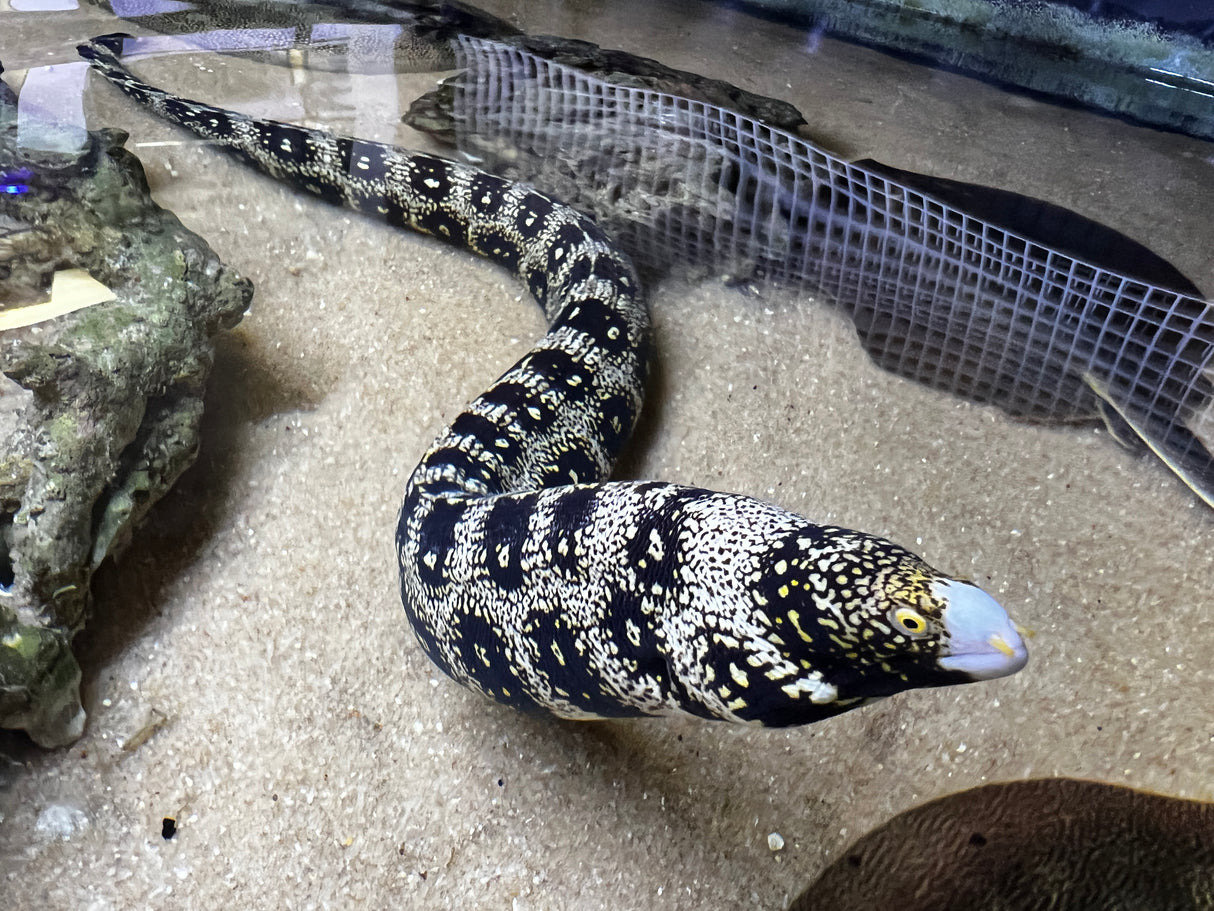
column 529, row 577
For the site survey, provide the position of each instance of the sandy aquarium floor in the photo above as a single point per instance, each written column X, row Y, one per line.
column 311, row 755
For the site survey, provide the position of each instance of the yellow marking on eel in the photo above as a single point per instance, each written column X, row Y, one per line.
column 998, row 643
column 796, row 622
column 738, row 675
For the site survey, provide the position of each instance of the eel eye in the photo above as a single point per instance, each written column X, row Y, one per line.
column 908, row 620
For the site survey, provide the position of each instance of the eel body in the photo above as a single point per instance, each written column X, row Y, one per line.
column 530, row 577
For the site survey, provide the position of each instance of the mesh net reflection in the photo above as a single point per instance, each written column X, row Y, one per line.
column 986, row 294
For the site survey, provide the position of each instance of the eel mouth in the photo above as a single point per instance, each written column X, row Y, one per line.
column 983, row 642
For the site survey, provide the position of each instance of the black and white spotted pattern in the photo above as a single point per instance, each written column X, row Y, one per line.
column 529, row 577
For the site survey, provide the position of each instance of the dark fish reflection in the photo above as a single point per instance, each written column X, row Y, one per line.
column 1053, row 843
column 984, row 293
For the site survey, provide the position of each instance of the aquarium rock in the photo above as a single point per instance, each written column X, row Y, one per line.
column 100, row 407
